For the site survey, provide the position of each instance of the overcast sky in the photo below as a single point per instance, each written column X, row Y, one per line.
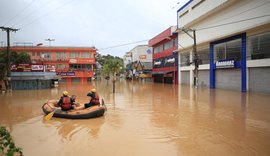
column 105, row 24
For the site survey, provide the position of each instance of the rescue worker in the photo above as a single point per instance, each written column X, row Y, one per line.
column 94, row 99
column 66, row 103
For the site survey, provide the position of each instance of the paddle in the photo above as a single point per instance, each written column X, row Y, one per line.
column 50, row 115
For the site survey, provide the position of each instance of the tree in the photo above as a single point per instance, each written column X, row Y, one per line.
column 112, row 65
column 15, row 58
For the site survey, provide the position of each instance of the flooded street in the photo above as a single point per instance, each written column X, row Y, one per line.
column 143, row 119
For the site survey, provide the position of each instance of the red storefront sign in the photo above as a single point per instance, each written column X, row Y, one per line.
column 32, row 68
column 36, row 67
column 49, row 68
column 21, row 68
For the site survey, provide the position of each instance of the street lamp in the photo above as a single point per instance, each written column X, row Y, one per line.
column 50, row 40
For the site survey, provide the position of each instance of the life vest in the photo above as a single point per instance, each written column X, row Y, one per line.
column 66, row 103
column 95, row 100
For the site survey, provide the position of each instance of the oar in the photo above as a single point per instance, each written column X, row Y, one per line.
column 49, row 116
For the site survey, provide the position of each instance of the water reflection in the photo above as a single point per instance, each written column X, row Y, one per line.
column 143, row 119
column 68, row 128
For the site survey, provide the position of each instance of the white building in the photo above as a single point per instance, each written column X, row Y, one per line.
column 233, row 43
column 142, row 54
column 127, row 59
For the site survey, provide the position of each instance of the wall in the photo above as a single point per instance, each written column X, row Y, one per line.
column 259, row 79
column 139, row 52
column 216, row 26
column 231, row 17
column 203, row 8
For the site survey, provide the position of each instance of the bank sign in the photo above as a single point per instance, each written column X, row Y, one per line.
column 225, row 64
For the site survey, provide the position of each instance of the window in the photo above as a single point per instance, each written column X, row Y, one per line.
column 80, row 67
column 168, row 45
column 258, row 46
column 86, row 55
column 60, row 55
column 175, row 42
column 46, row 55
column 204, row 55
column 233, row 50
column 60, row 66
column 74, row 55
column 228, row 51
column 184, row 59
column 158, row 49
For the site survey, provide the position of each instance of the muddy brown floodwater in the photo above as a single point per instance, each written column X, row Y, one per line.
column 143, row 119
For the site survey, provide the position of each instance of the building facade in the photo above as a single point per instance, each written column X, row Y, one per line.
column 127, row 61
column 232, row 44
column 164, row 58
column 138, row 60
column 72, row 64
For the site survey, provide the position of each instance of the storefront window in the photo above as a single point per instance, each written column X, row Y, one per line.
column 204, row 55
column 228, row 51
column 184, row 58
column 258, row 46
column 219, row 53
column 233, row 50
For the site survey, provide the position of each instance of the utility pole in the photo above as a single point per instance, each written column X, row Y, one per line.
column 8, row 30
column 195, row 58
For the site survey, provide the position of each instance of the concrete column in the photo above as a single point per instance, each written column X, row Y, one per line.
column 191, row 74
column 179, row 68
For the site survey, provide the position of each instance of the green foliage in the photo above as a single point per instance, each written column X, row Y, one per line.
column 7, row 146
column 111, row 65
column 15, row 58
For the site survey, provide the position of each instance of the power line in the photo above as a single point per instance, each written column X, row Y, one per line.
column 46, row 14
column 219, row 25
column 31, row 13
column 234, row 15
column 121, row 45
column 116, row 46
column 19, row 12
